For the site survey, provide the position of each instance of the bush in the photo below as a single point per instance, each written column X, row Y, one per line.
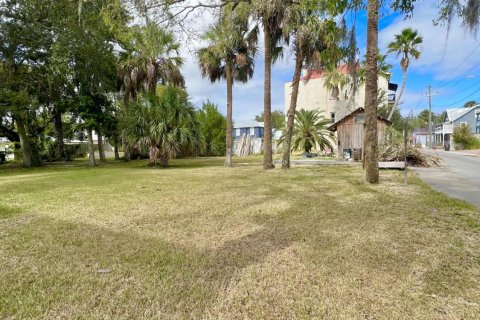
column 464, row 138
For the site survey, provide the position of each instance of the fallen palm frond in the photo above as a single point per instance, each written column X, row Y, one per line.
column 415, row 156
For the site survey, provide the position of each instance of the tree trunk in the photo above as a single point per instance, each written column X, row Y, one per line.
column 91, row 150
column 371, row 101
column 24, row 142
column 57, row 122
column 115, row 147
column 164, row 160
column 397, row 100
column 101, row 148
column 287, row 145
column 153, row 154
column 36, row 157
column 228, row 156
column 267, row 103
column 126, row 152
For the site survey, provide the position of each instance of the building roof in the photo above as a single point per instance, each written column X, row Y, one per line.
column 333, row 127
column 454, row 114
column 320, row 73
column 248, row 124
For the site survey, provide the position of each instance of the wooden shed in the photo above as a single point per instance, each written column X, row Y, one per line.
column 350, row 133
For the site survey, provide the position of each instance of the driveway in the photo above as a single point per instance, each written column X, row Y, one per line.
column 458, row 177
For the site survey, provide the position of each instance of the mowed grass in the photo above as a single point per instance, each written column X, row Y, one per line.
column 200, row 241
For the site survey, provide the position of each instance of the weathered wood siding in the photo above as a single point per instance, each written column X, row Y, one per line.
column 350, row 135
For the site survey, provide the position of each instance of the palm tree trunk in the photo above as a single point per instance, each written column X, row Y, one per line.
column 267, row 103
column 101, row 148
column 371, row 88
column 228, row 156
column 24, row 142
column 115, row 147
column 153, row 153
column 126, row 152
column 91, row 150
column 57, row 122
column 164, row 159
column 397, row 100
column 287, row 145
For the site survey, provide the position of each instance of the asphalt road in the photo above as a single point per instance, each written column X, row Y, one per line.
column 458, row 177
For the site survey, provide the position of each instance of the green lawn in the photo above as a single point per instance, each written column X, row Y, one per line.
column 200, row 241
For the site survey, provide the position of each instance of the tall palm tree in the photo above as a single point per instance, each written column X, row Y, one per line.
column 271, row 14
column 310, row 132
column 313, row 38
column 166, row 125
column 406, row 45
column 229, row 55
column 152, row 57
column 371, row 95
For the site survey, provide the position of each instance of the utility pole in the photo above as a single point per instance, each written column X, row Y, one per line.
column 430, row 116
column 430, row 124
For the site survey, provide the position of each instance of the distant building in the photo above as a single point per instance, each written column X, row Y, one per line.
column 351, row 131
column 455, row 118
column 312, row 94
column 253, row 129
column 420, row 136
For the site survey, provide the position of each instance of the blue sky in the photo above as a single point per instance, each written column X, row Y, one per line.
column 450, row 64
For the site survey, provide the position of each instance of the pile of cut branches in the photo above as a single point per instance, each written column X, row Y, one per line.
column 415, row 156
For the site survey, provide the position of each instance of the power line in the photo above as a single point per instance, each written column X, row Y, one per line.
column 467, row 88
column 456, row 68
column 463, row 99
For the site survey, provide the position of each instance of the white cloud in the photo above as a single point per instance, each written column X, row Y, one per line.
column 440, row 54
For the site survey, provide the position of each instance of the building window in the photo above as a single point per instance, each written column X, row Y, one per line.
column 478, row 130
column 360, row 118
column 252, row 131
column 237, row 132
column 332, row 116
column 463, row 124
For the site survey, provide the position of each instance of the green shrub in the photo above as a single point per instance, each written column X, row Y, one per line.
column 464, row 138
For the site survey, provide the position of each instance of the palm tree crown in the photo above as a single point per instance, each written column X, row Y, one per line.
column 230, row 48
column 154, row 57
column 406, row 45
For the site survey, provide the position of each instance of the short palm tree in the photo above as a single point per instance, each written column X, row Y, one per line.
column 406, row 45
column 228, row 55
column 310, row 132
column 165, row 124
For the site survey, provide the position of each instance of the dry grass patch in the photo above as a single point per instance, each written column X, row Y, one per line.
column 202, row 241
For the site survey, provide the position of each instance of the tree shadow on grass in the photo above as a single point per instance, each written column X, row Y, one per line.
column 54, row 268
